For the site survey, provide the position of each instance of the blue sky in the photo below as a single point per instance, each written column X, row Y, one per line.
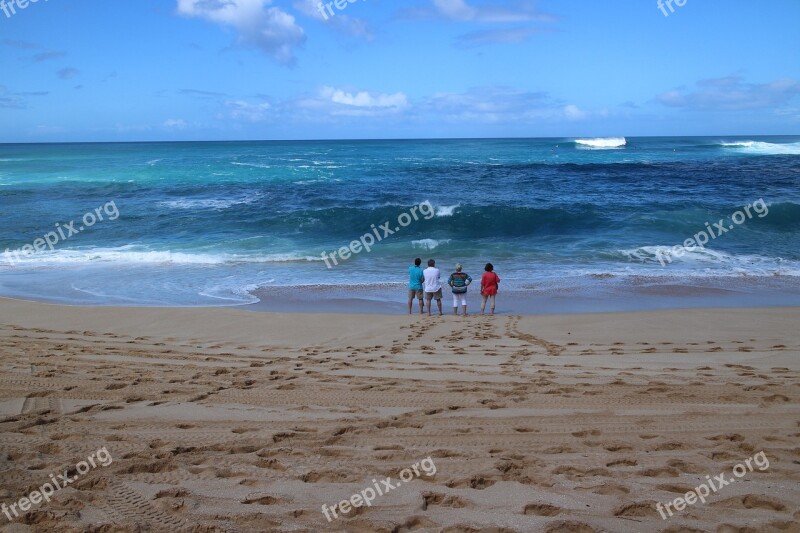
column 100, row 70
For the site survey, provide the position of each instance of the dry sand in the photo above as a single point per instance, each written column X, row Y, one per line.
column 227, row 420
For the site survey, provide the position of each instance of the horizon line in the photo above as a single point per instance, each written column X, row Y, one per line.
column 405, row 139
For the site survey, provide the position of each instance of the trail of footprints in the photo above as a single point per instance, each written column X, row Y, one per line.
column 605, row 457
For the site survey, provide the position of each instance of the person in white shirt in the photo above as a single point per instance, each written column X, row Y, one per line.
column 433, row 285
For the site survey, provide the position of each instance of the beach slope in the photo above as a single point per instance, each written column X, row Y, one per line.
column 227, row 420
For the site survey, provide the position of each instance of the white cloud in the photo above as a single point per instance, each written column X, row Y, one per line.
column 523, row 11
column 269, row 29
column 573, row 112
column 485, row 105
column 310, row 8
column 364, row 98
column 175, row 124
column 732, row 93
column 43, row 128
column 456, row 9
column 330, row 102
column 493, row 104
column 340, row 22
column 499, row 36
column 243, row 110
column 495, row 21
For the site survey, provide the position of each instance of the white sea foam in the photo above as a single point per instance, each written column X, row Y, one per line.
column 210, row 203
column 254, row 165
column 429, row 244
column 232, row 293
column 133, row 254
column 763, row 148
column 712, row 262
column 650, row 254
column 602, row 142
column 446, row 210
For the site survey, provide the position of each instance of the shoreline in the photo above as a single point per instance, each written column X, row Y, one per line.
column 548, row 297
column 607, row 296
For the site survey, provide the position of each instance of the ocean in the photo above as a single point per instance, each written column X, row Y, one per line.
column 232, row 223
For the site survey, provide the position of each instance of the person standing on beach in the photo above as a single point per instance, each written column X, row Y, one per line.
column 489, row 283
column 433, row 285
column 459, row 281
column 415, row 280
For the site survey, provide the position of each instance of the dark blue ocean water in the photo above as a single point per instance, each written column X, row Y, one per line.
column 207, row 223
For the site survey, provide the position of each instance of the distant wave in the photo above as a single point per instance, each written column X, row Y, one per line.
column 210, row 203
column 567, row 219
column 763, row 148
column 254, row 165
column 602, row 142
column 741, row 264
column 429, row 244
column 446, row 210
column 651, row 254
column 141, row 255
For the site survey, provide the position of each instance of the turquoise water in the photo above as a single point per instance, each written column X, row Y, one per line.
column 209, row 223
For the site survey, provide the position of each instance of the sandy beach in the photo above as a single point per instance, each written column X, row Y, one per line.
column 216, row 215
column 228, row 420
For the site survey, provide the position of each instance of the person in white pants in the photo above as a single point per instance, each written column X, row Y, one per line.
column 459, row 281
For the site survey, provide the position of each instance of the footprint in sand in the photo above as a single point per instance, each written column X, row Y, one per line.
column 752, row 501
column 541, row 509
column 674, row 488
column 443, row 500
column 608, row 489
column 569, row 526
column 622, row 462
column 637, row 510
column 475, row 482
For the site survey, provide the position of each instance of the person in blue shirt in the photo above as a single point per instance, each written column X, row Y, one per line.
column 459, row 281
column 415, row 279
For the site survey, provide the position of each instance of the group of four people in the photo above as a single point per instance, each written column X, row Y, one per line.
column 426, row 285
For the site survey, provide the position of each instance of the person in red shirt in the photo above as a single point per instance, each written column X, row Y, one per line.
column 489, row 283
